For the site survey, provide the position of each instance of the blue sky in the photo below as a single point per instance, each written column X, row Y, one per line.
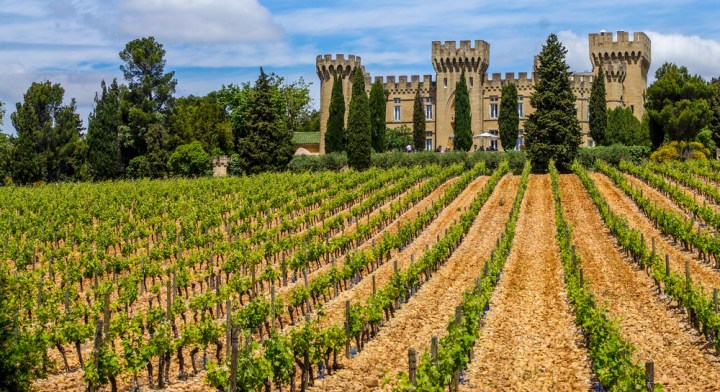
column 214, row 42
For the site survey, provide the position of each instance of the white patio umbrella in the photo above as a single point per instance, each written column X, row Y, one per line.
column 485, row 136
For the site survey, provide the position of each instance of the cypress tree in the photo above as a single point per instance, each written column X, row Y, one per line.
column 418, row 123
column 463, row 131
column 358, row 130
column 378, row 104
column 553, row 131
column 508, row 119
column 598, row 109
column 335, row 133
column 267, row 145
column 103, row 156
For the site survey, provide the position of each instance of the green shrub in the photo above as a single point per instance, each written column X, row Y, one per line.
column 612, row 154
column 190, row 160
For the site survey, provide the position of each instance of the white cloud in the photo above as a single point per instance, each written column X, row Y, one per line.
column 197, row 20
column 578, row 57
column 700, row 55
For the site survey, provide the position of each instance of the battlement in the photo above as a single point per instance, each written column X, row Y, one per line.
column 327, row 65
column 495, row 82
column 605, row 47
column 582, row 81
column 404, row 84
column 448, row 56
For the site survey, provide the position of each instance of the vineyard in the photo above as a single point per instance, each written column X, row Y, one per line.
column 426, row 278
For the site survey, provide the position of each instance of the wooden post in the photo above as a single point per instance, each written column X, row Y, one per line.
column 228, row 327
column 582, row 278
column 272, row 305
column 650, row 375
column 347, row 328
column 233, row 359
column 667, row 264
column 395, row 267
column 572, row 253
column 687, row 274
column 412, row 366
column 434, row 349
column 715, row 299
column 653, row 246
column 374, row 287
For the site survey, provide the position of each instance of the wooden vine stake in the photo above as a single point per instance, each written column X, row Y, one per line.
column 272, row 305
column 715, row 300
column 650, row 375
column 412, row 367
column 233, row 358
column 667, row 264
column 347, row 328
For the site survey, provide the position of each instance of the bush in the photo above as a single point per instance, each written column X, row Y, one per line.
column 190, row 160
column 680, row 151
column 612, row 154
column 138, row 167
column 235, row 166
column 313, row 163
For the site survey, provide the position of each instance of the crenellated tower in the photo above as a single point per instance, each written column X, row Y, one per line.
column 449, row 60
column 327, row 67
column 625, row 63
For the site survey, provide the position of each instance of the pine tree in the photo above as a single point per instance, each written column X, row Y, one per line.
column 335, row 133
column 103, row 155
column 359, row 146
column 553, row 131
column 508, row 120
column 418, row 123
column 267, row 146
column 463, row 130
column 598, row 109
column 378, row 104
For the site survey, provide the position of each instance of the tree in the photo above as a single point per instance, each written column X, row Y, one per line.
column 359, row 146
column 266, row 144
column 335, row 133
column 150, row 94
column 201, row 119
column 49, row 143
column 158, row 147
column 399, row 137
column 190, row 160
column 103, row 144
column 508, row 120
column 598, row 109
column 378, row 103
column 463, row 131
column 553, row 131
column 714, row 102
column 677, row 105
column 418, row 123
column 624, row 128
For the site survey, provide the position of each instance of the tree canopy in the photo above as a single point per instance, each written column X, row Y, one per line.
column 463, row 127
column 598, row 109
column 624, row 128
column 359, row 146
column 378, row 106
column 335, row 134
column 508, row 119
column 418, row 123
column 552, row 132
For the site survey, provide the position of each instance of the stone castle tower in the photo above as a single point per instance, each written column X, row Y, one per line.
column 625, row 64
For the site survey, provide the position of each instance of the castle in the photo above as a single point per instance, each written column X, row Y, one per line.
column 625, row 64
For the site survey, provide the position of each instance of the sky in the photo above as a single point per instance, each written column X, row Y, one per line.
column 211, row 43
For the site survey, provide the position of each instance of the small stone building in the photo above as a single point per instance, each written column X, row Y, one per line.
column 220, row 165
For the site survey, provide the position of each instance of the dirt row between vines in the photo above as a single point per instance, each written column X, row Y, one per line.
column 427, row 313
column 692, row 192
column 360, row 293
column 624, row 205
column 682, row 360
column 529, row 340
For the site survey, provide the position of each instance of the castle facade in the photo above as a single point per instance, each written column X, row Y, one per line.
column 625, row 64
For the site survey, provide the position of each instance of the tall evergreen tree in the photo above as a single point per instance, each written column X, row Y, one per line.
column 508, row 120
column 378, row 106
column 49, row 141
column 103, row 158
column 335, row 134
column 553, row 131
column 418, row 123
column 463, row 130
column 359, row 145
column 267, row 145
column 598, row 109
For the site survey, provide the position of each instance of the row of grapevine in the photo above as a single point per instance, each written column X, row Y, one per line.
column 687, row 178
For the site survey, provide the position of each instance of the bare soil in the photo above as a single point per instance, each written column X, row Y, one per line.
column 529, row 341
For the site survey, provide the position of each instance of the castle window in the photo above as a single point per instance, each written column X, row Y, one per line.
column 428, row 112
column 520, row 140
column 396, row 101
column 494, row 107
column 428, row 100
column 472, row 82
column 520, row 106
column 632, row 108
column 445, row 82
column 396, row 117
column 428, row 145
